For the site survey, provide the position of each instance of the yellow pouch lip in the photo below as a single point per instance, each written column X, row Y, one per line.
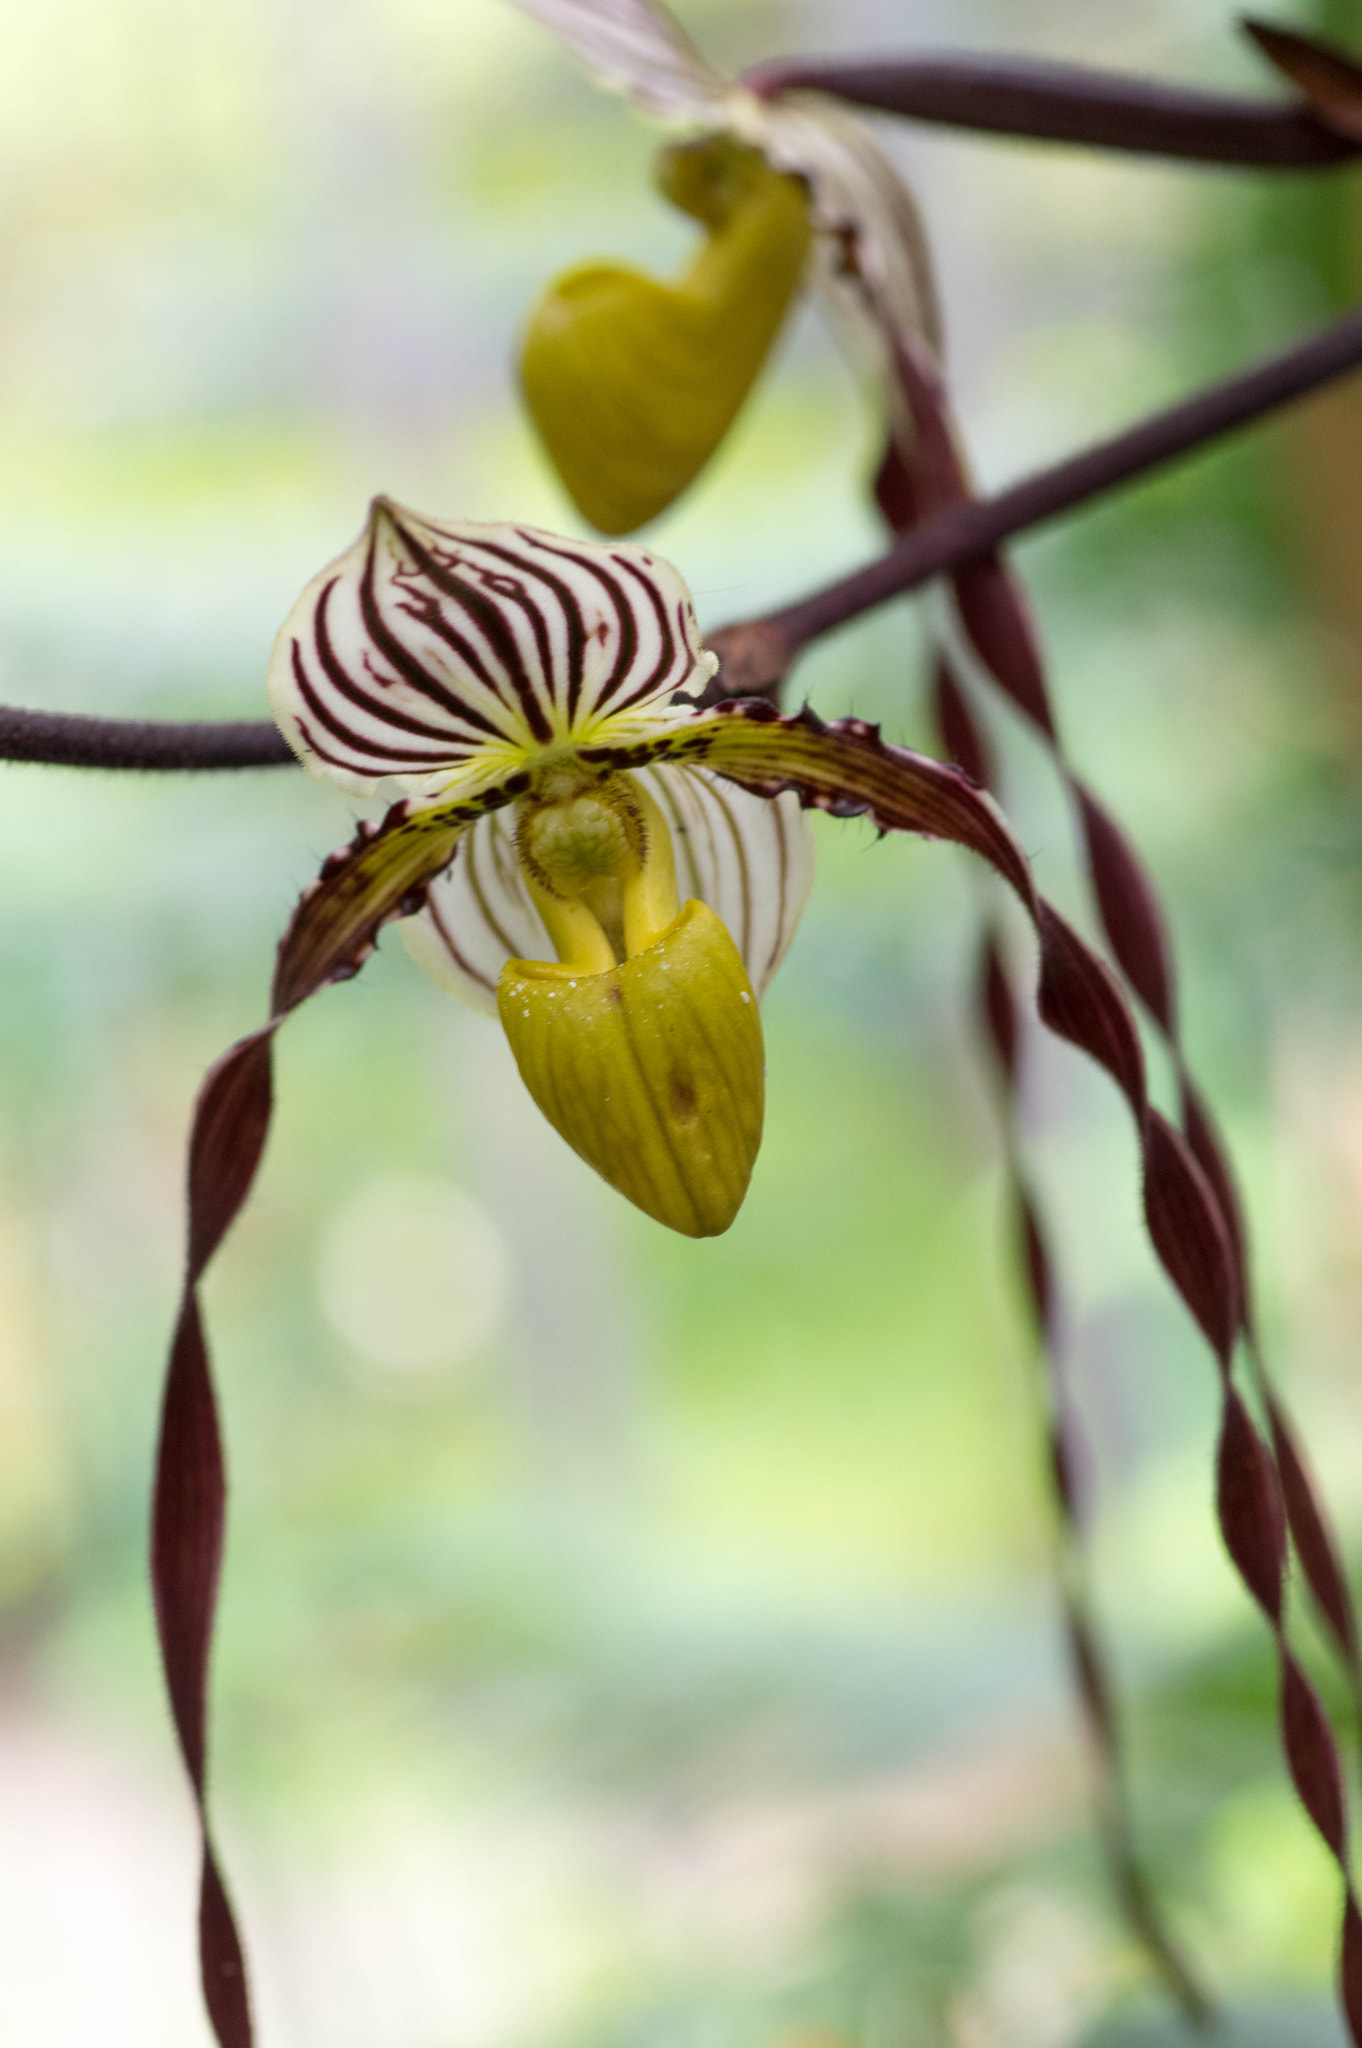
column 654, row 1072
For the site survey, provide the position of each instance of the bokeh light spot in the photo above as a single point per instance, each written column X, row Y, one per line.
column 412, row 1273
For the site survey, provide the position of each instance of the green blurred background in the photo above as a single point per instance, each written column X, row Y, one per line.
column 627, row 1641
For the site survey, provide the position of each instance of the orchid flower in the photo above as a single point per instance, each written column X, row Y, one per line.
column 615, row 869
column 619, row 906
column 581, row 850
column 535, row 698
column 785, row 188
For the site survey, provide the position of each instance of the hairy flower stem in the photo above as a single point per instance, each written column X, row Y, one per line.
column 66, row 740
column 970, row 530
column 1048, row 102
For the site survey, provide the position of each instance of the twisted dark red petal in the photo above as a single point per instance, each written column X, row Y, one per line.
column 846, row 765
column 189, row 1505
column 381, row 875
column 1191, row 1206
column 998, row 1012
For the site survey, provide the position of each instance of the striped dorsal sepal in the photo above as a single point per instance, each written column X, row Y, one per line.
column 452, row 656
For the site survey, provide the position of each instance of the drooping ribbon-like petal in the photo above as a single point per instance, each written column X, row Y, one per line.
column 448, row 655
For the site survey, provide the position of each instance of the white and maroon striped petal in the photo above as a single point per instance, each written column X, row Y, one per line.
column 447, row 655
column 634, row 47
column 749, row 858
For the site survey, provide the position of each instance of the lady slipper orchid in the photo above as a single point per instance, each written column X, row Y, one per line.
column 632, row 384
column 614, row 871
column 621, row 917
column 535, row 698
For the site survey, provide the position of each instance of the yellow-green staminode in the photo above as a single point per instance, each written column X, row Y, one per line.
column 631, row 383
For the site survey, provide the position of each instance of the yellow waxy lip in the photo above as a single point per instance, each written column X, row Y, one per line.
column 654, row 1071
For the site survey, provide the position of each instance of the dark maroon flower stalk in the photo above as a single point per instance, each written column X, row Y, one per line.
column 1040, row 101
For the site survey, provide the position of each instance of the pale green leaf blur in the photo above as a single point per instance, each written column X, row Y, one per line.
column 625, row 1640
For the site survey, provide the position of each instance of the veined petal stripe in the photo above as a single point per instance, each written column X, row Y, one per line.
column 783, row 836
column 410, row 669
column 667, row 659
column 315, row 746
column 360, row 745
column 573, row 620
column 461, row 960
column 626, row 619
column 674, row 651
column 521, row 674
column 674, row 655
column 512, row 590
column 492, row 623
column 673, row 790
column 428, row 614
column 354, row 691
column 627, row 651
column 667, row 792
column 346, row 734
column 493, row 922
column 744, row 874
